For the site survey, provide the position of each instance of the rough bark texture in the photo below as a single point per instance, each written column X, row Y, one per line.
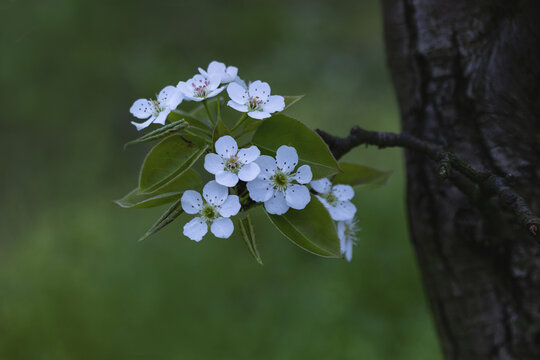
column 467, row 76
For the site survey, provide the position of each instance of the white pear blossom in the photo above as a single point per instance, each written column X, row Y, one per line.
column 255, row 100
column 201, row 87
column 213, row 211
column 226, row 73
column 277, row 186
column 156, row 111
column 231, row 164
column 335, row 198
column 347, row 236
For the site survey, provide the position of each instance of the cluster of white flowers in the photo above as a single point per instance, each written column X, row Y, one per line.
column 276, row 182
column 268, row 180
column 337, row 200
column 253, row 99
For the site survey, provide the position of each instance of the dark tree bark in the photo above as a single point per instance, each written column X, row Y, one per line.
column 467, row 77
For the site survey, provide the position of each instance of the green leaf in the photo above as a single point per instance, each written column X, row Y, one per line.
column 291, row 100
column 190, row 119
column 165, row 194
column 252, row 124
column 162, row 132
column 311, row 228
column 168, row 159
column 248, row 234
column 312, row 150
column 361, row 176
column 168, row 216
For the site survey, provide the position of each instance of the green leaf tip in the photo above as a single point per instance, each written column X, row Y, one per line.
column 162, row 132
column 248, row 234
column 166, row 218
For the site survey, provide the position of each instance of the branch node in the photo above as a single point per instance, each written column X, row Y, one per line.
column 445, row 166
column 533, row 229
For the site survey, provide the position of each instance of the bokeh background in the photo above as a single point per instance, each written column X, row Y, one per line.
column 75, row 283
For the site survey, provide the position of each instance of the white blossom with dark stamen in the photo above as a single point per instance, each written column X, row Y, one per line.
column 230, row 164
column 225, row 73
column 277, row 185
column 214, row 211
column 335, row 198
column 200, row 87
column 156, row 111
column 256, row 100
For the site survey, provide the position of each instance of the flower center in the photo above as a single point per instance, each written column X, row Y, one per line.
column 232, row 164
column 157, row 107
column 280, row 179
column 254, row 103
column 331, row 199
column 209, row 212
column 200, row 90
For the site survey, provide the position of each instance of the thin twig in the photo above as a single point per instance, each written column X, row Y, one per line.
column 489, row 183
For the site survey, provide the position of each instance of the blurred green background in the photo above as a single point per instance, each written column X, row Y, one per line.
column 75, row 283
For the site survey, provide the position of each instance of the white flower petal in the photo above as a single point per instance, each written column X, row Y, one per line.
column 197, row 80
column 258, row 115
column 274, row 103
column 343, row 192
column 240, row 82
column 191, row 201
column 170, row 96
column 238, row 107
column 267, row 164
column 142, row 109
column 216, row 67
column 249, row 172
column 194, row 98
column 343, row 210
column 303, row 175
column 260, row 190
column 231, row 74
column 227, row 178
column 215, row 193
column 185, row 88
column 196, row 229
column 222, row 228
column 286, row 158
column 297, row 196
column 341, row 227
column 260, row 90
column 162, row 116
column 203, row 72
column 349, row 250
column 226, row 146
column 276, row 204
column 145, row 124
column 213, row 82
column 322, row 186
column 249, row 154
column 215, row 92
column 213, row 163
column 237, row 93
column 230, row 207
column 324, row 202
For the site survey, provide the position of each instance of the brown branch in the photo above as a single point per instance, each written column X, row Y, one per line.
column 489, row 183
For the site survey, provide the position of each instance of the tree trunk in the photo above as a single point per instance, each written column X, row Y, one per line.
column 467, row 76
